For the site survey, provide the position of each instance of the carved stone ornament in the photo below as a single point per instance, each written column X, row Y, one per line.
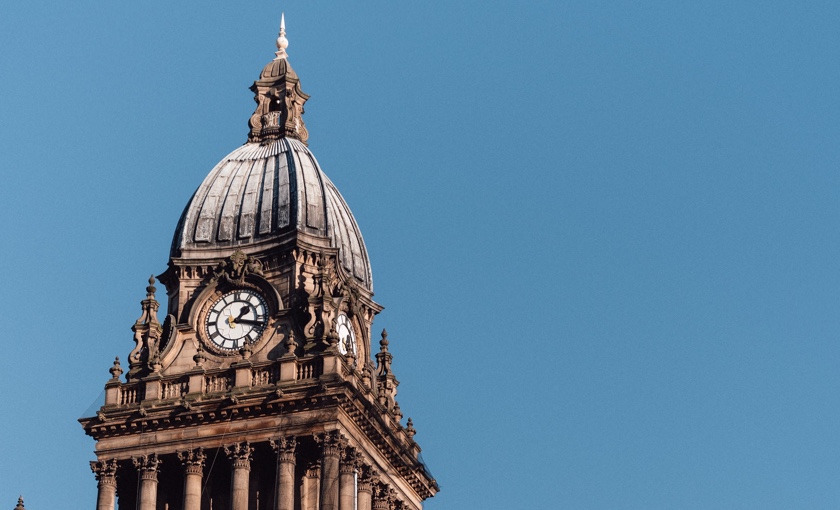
column 116, row 370
column 147, row 332
column 105, row 471
column 148, row 466
column 19, row 505
column 285, row 448
column 331, row 443
column 193, row 460
column 236, row 268
column 279, row 100
column 240, row 454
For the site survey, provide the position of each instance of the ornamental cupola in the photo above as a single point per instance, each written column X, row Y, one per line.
column 279, row 99
column 263, row 362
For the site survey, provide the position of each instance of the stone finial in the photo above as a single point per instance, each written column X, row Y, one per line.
column 397, row 412
column 246, row 351
column 332, row 337
column 116, row 370
column 409, row 428
column 147, row 332
column 386, row 383
column 20, row 504
column 150, row 290
column 290, row 343
column 282, row 42
column 199, row 357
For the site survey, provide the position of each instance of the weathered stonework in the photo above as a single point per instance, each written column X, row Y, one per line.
column 264, row 360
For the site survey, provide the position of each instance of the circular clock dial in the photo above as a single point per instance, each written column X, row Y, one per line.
column 237, row 318
column 346, row 336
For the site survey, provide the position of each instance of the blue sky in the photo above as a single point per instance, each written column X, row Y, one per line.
column 605, row 233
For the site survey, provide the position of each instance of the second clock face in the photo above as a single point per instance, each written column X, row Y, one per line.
column 346, row 335
column 237, row 318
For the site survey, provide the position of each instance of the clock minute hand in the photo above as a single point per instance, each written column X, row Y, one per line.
column 246, row 321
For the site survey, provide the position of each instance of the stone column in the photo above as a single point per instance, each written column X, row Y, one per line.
column 331, row 444
column 106, row 476
column 311, row 487
column 368, row 477
column 240, row 457
column 148, row 466
column 285, row 485
column 193, row 462
column 347, row 479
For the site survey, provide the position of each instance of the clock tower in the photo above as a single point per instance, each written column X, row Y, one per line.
column 264, row 387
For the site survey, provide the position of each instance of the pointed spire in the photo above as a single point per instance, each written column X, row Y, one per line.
column 20, row 504
column 282, row 42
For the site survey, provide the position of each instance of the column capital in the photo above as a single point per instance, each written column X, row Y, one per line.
column 381, row 497
column 313, row 470
column 368, row 476
column 285, row 448
column 148, row 466
column 240, row 454
column 193, row 460
column 331, row 442
column 350, row 461
column 105, row 471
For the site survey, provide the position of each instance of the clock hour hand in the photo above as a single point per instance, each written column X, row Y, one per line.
column 242, row 312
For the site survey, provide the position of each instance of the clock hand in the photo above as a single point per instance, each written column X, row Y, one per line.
column 246, row 321
column 242, row 312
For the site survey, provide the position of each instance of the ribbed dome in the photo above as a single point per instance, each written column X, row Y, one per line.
column 257, row 194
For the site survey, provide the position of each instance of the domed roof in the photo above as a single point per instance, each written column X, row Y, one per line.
column 260, row 192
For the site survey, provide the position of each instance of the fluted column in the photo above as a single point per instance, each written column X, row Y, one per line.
column 311, row 489
column 347, row 479
column 331, row 444
column 368, row 476
column 106, row 476
column 240, row 457
column 193, row 462
column 148, row 466
column 285, row 486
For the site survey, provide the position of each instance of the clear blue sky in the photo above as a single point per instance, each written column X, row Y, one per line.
column 605, row 233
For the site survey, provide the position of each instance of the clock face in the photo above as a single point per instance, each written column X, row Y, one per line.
column 237, row 318
column 346, row 336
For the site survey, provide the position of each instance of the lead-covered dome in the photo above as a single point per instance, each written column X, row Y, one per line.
column 257, row 194
column 271, row 189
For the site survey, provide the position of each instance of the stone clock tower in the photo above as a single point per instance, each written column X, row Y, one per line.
column 259, row 391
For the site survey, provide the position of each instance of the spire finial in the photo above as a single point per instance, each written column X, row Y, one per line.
column 282, row 42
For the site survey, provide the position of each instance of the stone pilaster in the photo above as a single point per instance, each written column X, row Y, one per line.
column 106, row 476
column 193, row 462
column 331, row 445
column 148, row 465
column 285, row 485
column 240, row 457
column 347, row 479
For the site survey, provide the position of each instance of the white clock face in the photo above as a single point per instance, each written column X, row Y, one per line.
column 237, row 318
column 346, row 336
